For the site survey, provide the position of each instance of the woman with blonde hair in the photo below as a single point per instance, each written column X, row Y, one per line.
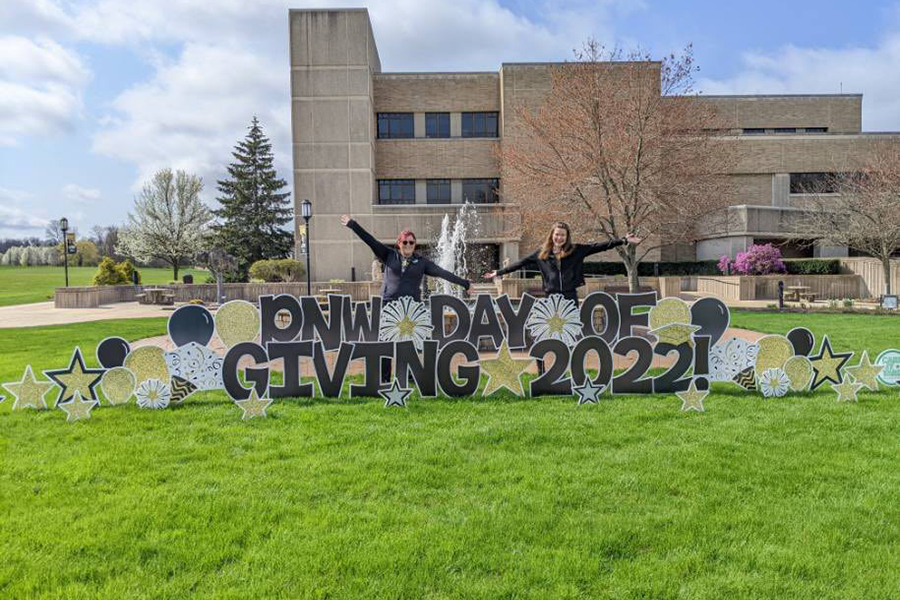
column 561, row 262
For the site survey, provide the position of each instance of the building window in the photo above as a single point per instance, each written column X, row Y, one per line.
column 395, row 125
column 785, row 130
column 813, row 183
column 479, row 124
column 437, row 125
column 438, row 191
column 754, row 130
column 480, row 191
column 816, row 130
column 396, row 191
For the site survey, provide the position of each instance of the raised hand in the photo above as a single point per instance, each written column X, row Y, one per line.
column 345, row 219
column 632, row 239
column 490, row 275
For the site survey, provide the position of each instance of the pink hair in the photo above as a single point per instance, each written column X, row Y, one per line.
column 405, row 234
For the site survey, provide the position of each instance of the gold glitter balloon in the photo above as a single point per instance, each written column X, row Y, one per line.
column 237, row 321
column 799, row 372
column 774, row 350
column 668, row 311
column 147, row 362
column 118, row 385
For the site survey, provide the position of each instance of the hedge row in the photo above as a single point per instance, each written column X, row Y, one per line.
column 813, row 266
column 817, row 266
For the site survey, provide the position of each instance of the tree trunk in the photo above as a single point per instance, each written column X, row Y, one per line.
column 175, row 270
column 631, row 267
column 886, row 265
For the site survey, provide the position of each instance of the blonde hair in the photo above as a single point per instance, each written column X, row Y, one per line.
column 547, row 246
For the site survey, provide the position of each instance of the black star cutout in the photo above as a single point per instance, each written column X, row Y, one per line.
column 76, row 378
column 827, row 365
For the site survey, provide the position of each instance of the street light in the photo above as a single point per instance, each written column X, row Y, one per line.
column 64, row 226
column 306, row 213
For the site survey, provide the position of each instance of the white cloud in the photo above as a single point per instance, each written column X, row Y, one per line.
column 190, row 115
column 15, row 220
column 79, row 194
column 41, row 86
column 233, row 64
column 794, row 70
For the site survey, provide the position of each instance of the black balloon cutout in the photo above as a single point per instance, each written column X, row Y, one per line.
column 712, row 316
column 802, row 340
column 191, row 323
column 112, row 351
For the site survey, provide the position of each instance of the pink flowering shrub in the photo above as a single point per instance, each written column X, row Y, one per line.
column 762, row 259
column 725, row 265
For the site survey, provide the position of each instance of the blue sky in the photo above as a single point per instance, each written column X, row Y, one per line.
column 95, row 95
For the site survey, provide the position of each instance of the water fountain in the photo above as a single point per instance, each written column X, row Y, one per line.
column 450, row 247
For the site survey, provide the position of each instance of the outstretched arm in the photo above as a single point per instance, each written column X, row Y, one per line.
column 588, row 249
column 528, row 261
column 380, row 250
column 433, row 270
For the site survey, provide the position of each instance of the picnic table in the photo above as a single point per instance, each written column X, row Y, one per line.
column 796, row 293
column 161, row 296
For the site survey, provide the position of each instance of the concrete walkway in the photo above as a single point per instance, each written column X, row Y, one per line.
column 44, row 313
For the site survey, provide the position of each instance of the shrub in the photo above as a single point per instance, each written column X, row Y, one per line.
column 649, row 269
column 285, row 269
column 814, row 266
column 761, row 259
column 725, row 265
column 128, row 272
column 108, row 273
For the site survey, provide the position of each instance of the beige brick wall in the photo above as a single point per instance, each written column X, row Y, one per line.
column 804, row 153
column 839, row 113
column 423, row 159
column 753, row 189
column 436, row 92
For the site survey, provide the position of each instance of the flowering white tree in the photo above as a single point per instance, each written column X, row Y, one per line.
column 169, row 222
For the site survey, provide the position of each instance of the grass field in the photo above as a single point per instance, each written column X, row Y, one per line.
column 493, row 498
column 23, row 285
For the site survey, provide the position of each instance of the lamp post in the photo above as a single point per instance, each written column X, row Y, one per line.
column 64, row 226
column 306, row 213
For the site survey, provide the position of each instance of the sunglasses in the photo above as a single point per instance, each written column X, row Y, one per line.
column 408, row 243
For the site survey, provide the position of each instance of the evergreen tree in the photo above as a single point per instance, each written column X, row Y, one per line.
column 253, row 210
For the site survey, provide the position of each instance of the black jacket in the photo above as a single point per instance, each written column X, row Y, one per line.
column 564, row 277
column 397, row 281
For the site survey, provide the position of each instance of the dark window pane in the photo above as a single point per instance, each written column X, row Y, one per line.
column 438, row 191
column 810, row 183
column 479, row 124
column 816, row 130
column 437, row 125
column 396, row 191
column 754, row 130
column 785, row 130
column 480, row 191
column 395, row 125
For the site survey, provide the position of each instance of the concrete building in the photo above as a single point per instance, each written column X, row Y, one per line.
column 398, row 150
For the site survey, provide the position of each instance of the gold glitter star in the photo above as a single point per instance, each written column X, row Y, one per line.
column 254, row 406
column 77, row 409
column 504, row 371
column 827, row 365
column 29, row 393
column 865, row 372
column 75, row 378
column 692, row 398
column 847, row 389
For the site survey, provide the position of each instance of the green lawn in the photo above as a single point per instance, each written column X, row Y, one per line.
column 495, row 498
column 22, row 285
